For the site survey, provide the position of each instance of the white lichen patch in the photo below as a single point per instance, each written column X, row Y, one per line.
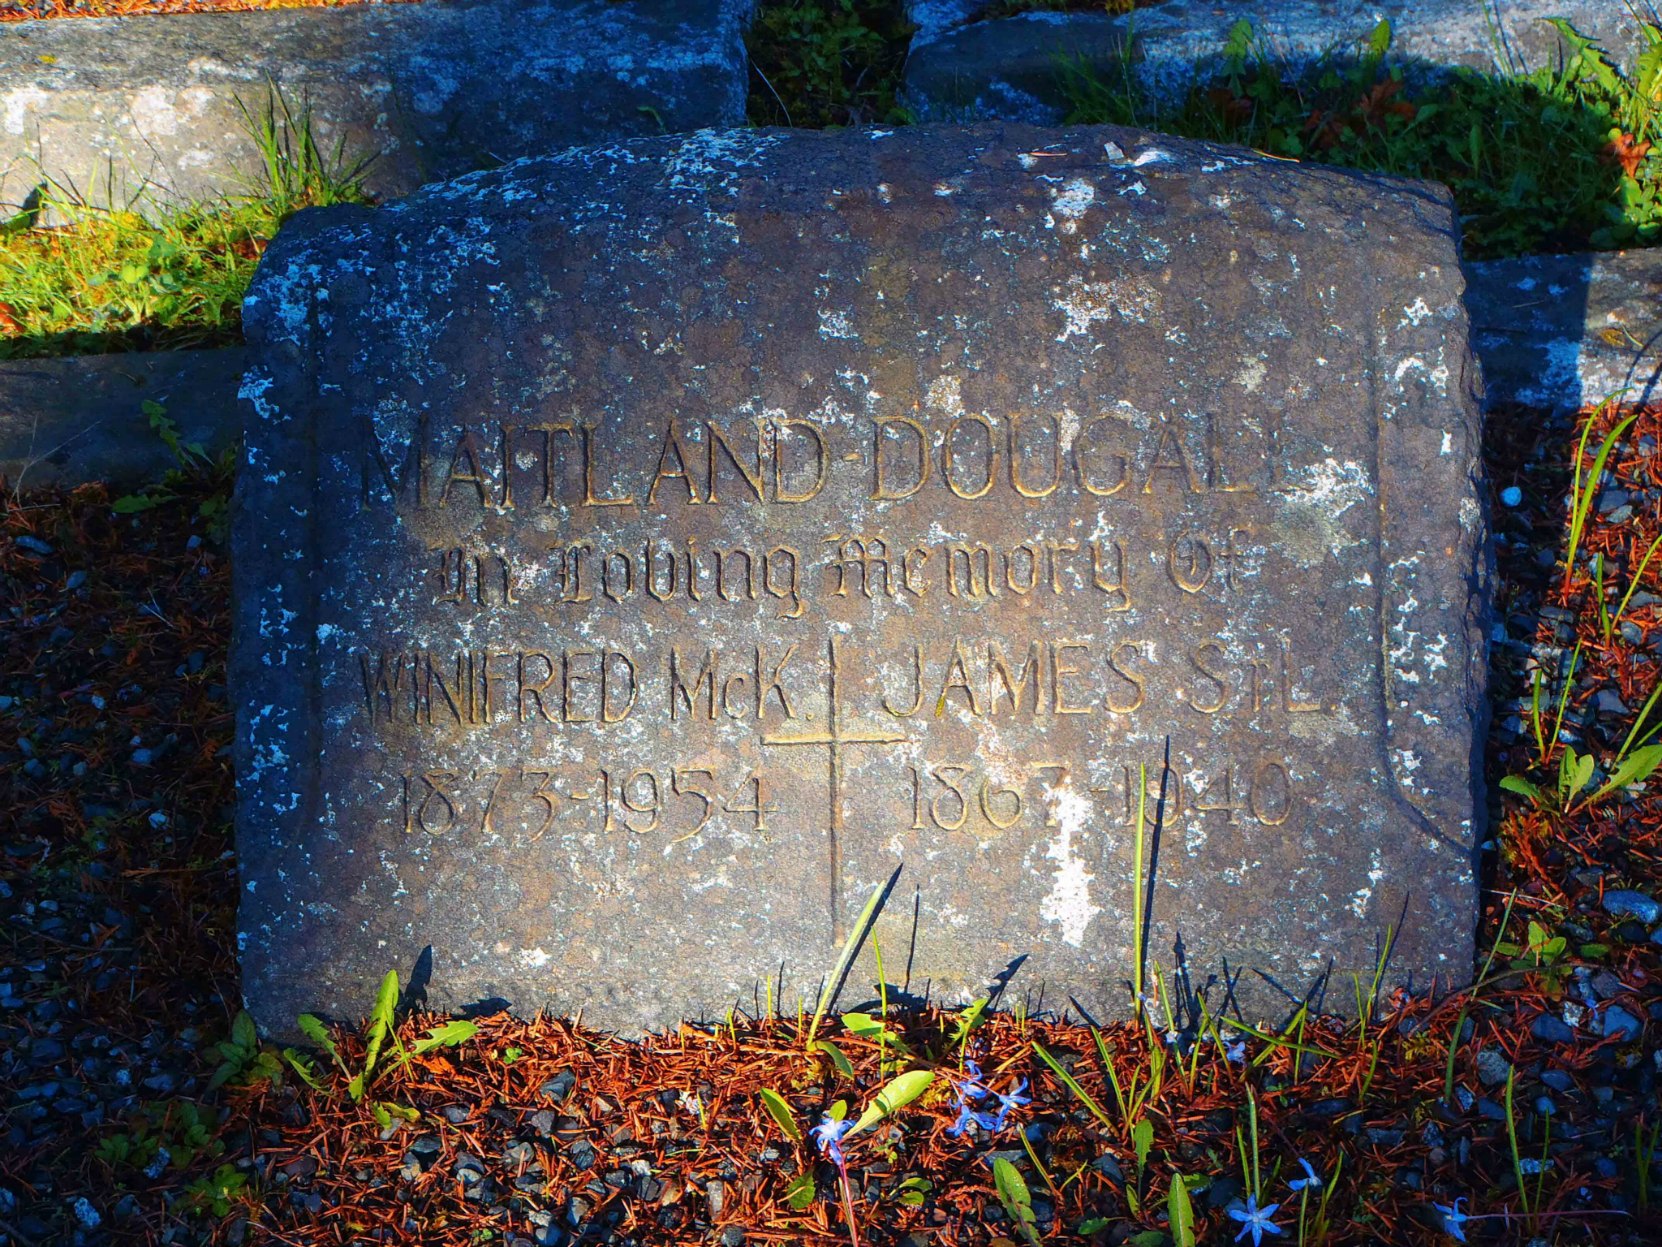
column 1068, row 205
column 1252, row 374
column 834, row 323
column 945, row 394
column 1416, row 314
column 1436, row 374
column 1309, row 518
column 1085, row 303
column 1359, row 900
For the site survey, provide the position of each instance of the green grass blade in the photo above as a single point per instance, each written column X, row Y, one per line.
column 851, row 948
column 1072, row 1084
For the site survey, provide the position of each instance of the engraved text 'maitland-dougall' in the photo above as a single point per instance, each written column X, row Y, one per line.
column 789, row 461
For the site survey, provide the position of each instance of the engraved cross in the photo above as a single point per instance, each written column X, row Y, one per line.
column 835, row 739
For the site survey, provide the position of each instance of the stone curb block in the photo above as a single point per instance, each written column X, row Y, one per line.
column 69, row 421
column 1549, row 331
column 1009, row 69
column 1568, row 330
column 148, row 106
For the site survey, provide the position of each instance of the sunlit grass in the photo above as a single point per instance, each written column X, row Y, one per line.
column 80, row 279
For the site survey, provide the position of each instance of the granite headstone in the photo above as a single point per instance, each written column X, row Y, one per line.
column 643, row 550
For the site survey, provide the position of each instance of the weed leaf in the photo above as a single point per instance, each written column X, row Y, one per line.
column 800, row 1193
column 314, row 1030
column 839, row 1058
column 1638, row 765
column 381, row 1022
column 1142, row 1139
column 781, row 1113
column 1181, row 1212
column 1013, row 1194
column 896, row 1095
column 452, row 1033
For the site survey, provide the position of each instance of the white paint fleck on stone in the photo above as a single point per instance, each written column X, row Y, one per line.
column 1068, row 904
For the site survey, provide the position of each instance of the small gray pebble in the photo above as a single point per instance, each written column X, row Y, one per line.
column 1609, row 701
column 426, row 1147
column 1606, row 985
column 1627, row 903
column 1619, row 1023
column 1549, row 1029
column 1492, row 1067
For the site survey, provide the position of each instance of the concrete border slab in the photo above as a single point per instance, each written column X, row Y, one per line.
column 73, row 420
column 147, row 105
column 1009, row 69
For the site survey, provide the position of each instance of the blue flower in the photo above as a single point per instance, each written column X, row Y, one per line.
column 973, row 1087
column 968, row 1117
column 1454, row 1221
column 1308, row 1180
column 1235, row 1050
column 1255, row 1221
column 1014, row 1100
column 828, row 1136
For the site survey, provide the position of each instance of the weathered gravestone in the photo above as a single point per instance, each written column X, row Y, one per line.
column 643, row 550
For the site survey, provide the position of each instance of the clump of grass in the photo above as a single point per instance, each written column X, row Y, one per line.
column 819, row 63
column 101, row 279
column 1552, row 159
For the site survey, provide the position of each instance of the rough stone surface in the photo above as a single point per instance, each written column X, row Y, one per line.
column 113, row 107
column 602, row 642
column 1568, row 330
column 1010, row 68
column 66, row 421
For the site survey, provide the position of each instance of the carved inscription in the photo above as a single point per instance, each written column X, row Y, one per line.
column 987, row 673
column 789, row 461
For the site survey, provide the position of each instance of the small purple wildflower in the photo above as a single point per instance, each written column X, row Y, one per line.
column 1454, row 1221
column 1235, row 1050
column 828, row 1136
column 1308, row 1180
column 967, row 1117
column 973, row 1090
column 1255, row 1221
column 1014, row 1100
